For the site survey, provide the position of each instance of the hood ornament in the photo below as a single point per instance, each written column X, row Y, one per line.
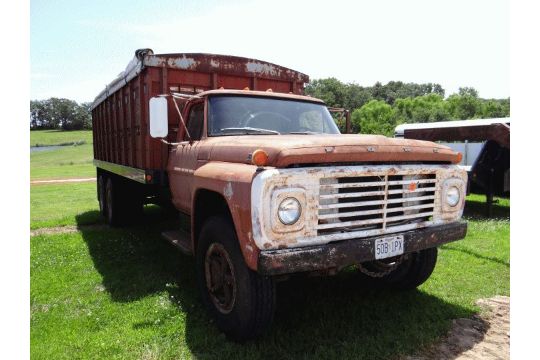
column 329, row 149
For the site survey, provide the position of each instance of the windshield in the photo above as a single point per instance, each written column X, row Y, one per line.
column 242, row 115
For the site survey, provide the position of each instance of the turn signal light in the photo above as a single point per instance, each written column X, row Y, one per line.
column 259, row 157
column 459, row 157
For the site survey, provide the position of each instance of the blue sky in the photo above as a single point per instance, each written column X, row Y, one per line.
column 77, row 47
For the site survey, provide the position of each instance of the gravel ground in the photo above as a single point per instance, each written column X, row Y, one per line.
column 484, row 336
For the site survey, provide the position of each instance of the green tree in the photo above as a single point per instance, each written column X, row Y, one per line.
column 494, row 108
column 465, row 105
column 356, row 96
column 426, row 108
column 394, row 90
column 83, row 117
column 58, row 113
column 375, row 117
column 330, row 90
column 470, row 91
column 40, row 115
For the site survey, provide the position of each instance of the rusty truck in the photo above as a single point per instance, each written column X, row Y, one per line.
column 269, row 186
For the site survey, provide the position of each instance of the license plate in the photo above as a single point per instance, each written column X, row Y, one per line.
column 388, row 247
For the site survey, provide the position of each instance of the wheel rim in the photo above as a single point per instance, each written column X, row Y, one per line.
column 220, row 279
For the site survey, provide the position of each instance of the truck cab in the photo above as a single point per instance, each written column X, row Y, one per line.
column 295, row 196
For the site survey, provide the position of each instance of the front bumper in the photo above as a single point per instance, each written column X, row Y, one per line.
column 348, row 252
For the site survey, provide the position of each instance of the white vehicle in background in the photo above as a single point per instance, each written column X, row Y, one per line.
column 484, row 143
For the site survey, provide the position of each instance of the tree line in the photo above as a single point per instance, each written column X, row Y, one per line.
column 58, row 113
column 376, row 109
column 380, row 108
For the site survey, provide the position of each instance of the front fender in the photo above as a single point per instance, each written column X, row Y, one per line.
column 233, row 182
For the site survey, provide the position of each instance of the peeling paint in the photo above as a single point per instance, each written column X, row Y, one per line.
column 269, row 233
column 228, row 191
column 262, row 68
column 182, row 63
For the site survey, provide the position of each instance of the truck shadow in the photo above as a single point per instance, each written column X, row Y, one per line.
column 339, row 316
column 477, row 210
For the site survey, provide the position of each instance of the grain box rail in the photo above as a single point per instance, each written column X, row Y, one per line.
column 122, row 143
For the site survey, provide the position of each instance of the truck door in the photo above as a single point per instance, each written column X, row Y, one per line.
column 184, row 158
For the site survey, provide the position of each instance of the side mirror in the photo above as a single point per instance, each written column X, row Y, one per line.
column 159, row 119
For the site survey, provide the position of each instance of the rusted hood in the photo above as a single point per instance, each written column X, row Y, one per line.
column 285, row 150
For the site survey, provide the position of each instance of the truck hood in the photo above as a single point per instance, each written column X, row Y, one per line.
column 286, row 150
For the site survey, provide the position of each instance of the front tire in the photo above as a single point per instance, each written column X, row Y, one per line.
column 241, row 301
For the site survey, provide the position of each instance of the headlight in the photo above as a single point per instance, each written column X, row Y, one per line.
column 289, row 211
column 452, row 196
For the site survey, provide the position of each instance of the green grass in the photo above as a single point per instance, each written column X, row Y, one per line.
column 70, row 161
column 61, row 163
column 61, row 204
column 126, row 293
column 58, row 137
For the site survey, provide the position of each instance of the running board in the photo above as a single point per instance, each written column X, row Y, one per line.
column 180, row 239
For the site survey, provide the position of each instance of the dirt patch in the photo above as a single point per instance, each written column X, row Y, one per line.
column 66, row 229
column 60, row 181
column 484, row 336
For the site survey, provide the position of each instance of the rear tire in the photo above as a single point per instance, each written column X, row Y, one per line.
column 101, row 184
column 123, row 203
column 241, row 301
column 113, row 202
column 412, row 272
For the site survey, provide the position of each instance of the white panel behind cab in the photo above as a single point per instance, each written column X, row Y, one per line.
column 159, row 127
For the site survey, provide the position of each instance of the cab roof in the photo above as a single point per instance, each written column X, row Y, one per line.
column 257, row 93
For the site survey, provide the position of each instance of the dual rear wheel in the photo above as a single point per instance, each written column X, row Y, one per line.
column 120, row 200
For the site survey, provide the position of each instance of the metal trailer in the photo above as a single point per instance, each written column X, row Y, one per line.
column 120, row 114
column 485, row 145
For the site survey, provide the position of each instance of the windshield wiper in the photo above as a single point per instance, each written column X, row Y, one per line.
column 305, row 133
column 249, row 131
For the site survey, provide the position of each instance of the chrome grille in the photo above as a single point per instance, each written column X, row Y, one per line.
column 376, row 203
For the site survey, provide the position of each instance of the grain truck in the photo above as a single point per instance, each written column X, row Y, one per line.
column 266, row 181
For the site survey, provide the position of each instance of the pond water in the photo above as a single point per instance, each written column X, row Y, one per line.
column 43, row 148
